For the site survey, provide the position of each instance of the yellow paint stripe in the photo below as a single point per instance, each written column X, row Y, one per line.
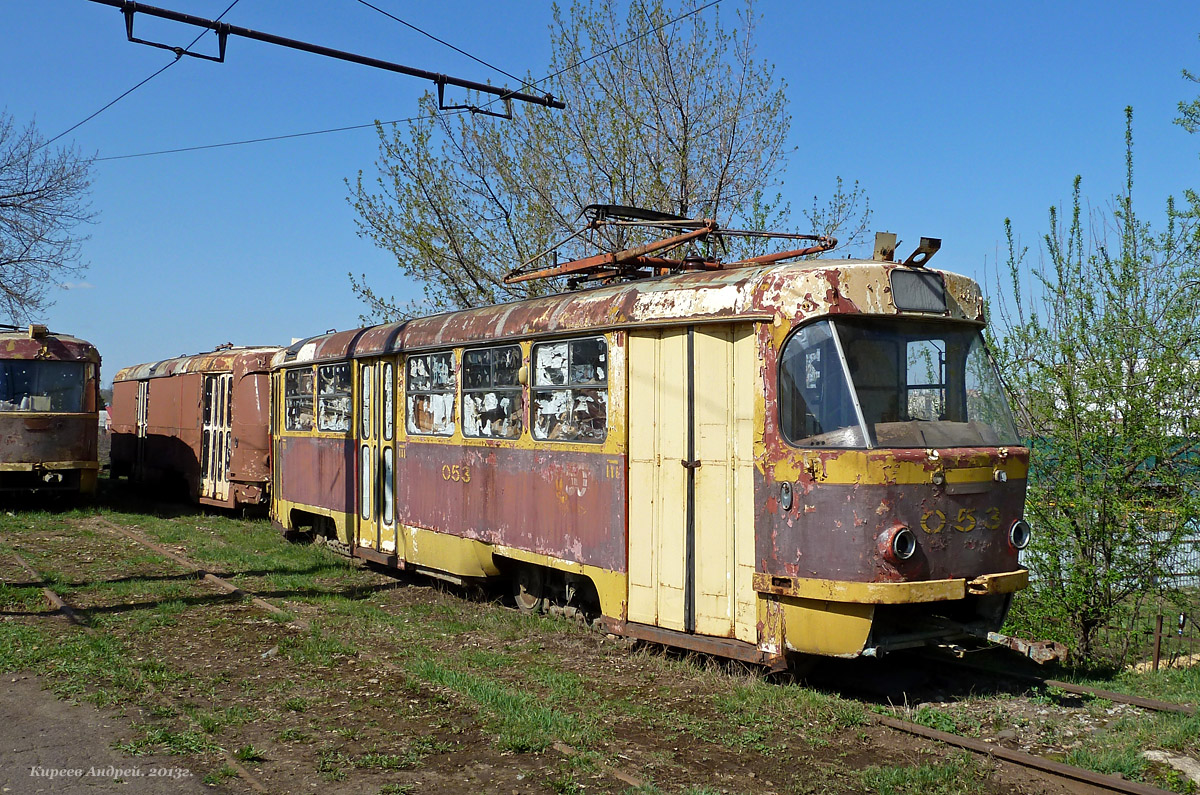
column 875, row 467
column 889, row 593
column 27, row 467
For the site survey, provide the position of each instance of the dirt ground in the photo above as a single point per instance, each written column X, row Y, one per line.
column 389, row 683
column 50, row 745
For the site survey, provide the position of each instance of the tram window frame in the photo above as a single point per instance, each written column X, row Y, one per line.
column 448, row 385
column 824, row 372
column 486, row 380
column 294, row 397
column 544, row 385
column 340, row 392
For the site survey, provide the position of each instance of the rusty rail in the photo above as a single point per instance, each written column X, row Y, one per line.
column 262, row 604
column 204, row 574
column 178, row 706
column 1110, row 783
column 1082, row 690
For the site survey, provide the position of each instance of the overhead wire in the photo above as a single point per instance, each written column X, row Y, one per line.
column 435, row 38
column 565, row 69
column 178, row 56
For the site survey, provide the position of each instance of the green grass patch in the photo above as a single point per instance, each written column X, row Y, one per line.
column 316, row 648
column 160, row 738
column 248, row 753
column 523, row 721
column 961, row 774
column 219, row 776
column 1127, row 762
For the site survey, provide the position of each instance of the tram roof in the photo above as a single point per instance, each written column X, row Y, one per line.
column 41, row 344
column 217, row 361
column 795, row 291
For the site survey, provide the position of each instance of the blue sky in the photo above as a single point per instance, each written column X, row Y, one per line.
column 951, row 115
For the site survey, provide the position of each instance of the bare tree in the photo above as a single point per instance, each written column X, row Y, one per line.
column 43, row 199
column 669, row 114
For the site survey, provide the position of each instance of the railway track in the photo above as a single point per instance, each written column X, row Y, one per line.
column 1045, row 766
column 227, row 587
column 73, row 616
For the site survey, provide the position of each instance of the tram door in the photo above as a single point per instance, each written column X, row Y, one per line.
column 216, row 436
column 376, row 434
column 691, row 479
column 139, row 455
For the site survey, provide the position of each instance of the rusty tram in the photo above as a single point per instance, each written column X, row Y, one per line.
column 199, row 422
column 753, row 460
column 49, row 411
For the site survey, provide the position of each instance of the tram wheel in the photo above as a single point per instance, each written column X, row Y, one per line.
column 529, row 589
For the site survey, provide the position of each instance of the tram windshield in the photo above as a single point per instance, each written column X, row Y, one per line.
column 36, row 385
column 891, row 383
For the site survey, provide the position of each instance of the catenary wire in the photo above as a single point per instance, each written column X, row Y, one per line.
column 266, row 139
column 178, row 56
column 439, row 41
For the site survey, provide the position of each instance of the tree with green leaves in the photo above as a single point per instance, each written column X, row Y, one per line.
column 666, row 110
column 43, row 199
column 1100, row 349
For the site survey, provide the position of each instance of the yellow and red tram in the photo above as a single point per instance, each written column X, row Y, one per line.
column 811, row 456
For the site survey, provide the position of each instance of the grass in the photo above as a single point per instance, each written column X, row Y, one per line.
column 220, row 775
column 248, row 753
column 523, row 722
column 961, row 774
column 486, row 667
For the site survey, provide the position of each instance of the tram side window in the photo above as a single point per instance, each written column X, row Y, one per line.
column 430, row 385
column 298, row 399
column 570, row 396
column 493, row 399
column 815, row 406
column 333, row 397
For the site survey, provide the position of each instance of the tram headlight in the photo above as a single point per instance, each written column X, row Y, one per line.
column 898, row 544
column 1020, row 534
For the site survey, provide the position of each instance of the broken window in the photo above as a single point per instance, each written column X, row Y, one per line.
column 364, row 400
column 493, row 398
column 298, row 399
column 389, row 407
column 570, row 399
column 333, row 398
column 430, row 396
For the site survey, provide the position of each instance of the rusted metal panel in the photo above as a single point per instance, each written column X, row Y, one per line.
column 317, row 471
column 219, row 361
column 35, row 438
column 564, row 504
column 250, row 457
column 59, row 347
column 834, row 530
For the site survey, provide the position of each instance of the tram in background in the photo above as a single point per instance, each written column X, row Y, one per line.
column 198, row 422
column 49, row 411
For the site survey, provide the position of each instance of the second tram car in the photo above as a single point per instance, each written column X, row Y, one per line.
column 201, row 421
column 812, row 457
column 49, row 419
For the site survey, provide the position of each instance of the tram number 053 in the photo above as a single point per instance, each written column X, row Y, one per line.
column 457, row 473
column 965, row 521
